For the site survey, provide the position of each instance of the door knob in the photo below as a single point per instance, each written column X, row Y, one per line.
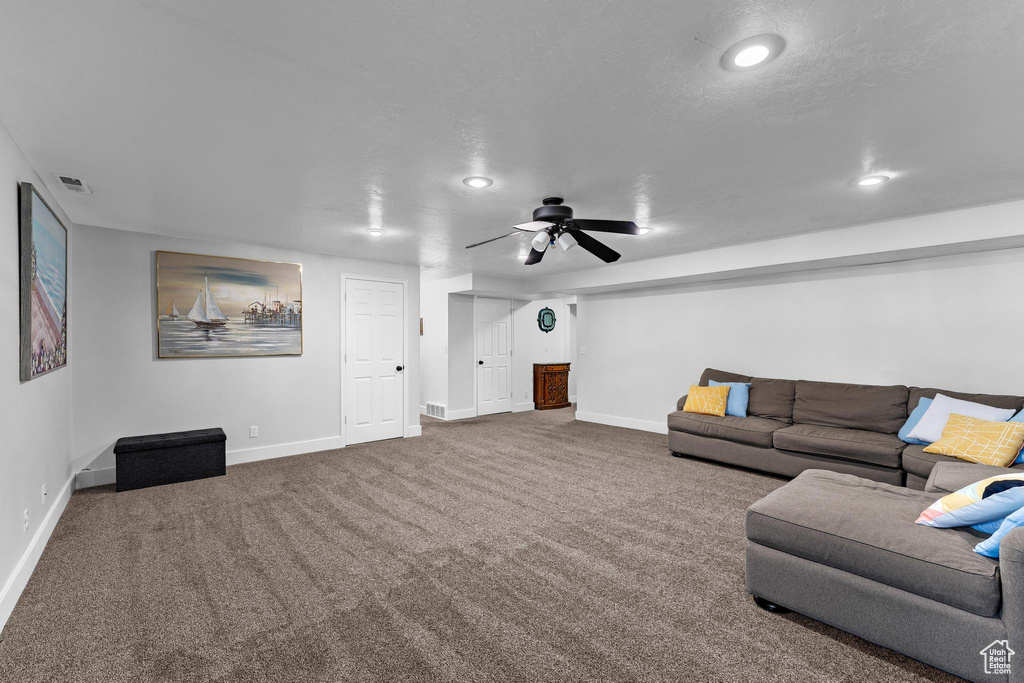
column 479, row 362
column 399, row 368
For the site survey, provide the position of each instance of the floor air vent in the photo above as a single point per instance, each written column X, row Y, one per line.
column 435, row 410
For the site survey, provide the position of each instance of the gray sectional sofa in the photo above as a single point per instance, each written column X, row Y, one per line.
column 845, row 550
column 796, row 425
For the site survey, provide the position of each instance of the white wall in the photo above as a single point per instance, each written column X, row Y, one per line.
column 36, row 415
column 533, row 345
column 121, row 388
column 462, row 359
column 573, row 348
column 456, row 352
column 434, row 343
column 952, row 322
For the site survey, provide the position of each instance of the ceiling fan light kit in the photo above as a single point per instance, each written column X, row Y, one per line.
column 554, row 223
column 541, row 241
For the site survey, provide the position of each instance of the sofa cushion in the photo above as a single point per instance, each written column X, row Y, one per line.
column 720, row 376
column 917, row 461
column 849, row 444
column 867, row 528
column 947, row 477
column 754, row 431
column 994, row 400
column 851, row 406
column 769, row 398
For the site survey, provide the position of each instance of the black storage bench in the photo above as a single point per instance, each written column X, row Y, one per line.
column 159, row 459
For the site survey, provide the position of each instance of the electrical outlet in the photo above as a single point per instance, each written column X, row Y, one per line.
column 526, row 394
column 43, row 498
column 254, row 432
column 24, row 522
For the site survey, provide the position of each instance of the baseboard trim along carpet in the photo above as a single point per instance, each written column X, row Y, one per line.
column 522, row 407
column 460, row 414
column 627, row 422
column 105, row 476
column 18, row 579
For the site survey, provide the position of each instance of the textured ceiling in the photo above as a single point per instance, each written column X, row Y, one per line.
column 300, row 124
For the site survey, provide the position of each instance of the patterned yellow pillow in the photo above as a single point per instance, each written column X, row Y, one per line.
column 712, row 401
column 990, row 443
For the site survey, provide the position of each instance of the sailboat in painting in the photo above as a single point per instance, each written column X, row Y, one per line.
column 172, row 311
column 206, row 315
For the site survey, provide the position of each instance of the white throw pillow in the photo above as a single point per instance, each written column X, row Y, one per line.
column 935, row 418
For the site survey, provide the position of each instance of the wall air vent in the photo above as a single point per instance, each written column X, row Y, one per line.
column 436, row 410
column 74, row 184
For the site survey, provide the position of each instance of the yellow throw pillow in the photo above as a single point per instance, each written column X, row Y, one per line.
column 974, row 440
column 712, row 401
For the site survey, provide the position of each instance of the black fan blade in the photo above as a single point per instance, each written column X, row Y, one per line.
column 621, row 227
column 605, row 253
column 494, row 239
column 534, row 257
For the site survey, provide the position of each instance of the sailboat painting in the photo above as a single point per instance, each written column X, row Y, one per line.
column 44, row 287
column 241, row 307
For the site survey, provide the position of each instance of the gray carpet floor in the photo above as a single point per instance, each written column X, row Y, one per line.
column 525, row 547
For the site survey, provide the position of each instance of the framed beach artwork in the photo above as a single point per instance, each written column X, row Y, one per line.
column 212, row 306
column 44, row 286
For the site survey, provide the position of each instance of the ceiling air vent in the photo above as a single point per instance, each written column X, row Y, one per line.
column 73, row 184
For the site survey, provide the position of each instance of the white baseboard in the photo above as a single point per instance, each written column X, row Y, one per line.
column 23, row 570
column 108, row 475
column 627, row 422
column 460, row 414
column 522, row 407
column 100, row 477
column 572, row 399
column 237, row 457
column 423, row 410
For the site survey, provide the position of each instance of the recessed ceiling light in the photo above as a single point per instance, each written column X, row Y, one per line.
column 643, row 231
column 478, row 181
column 753, row 52
column 872, row 180
column 376, row 232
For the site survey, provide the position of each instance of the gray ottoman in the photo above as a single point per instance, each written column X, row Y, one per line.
column 845, row 551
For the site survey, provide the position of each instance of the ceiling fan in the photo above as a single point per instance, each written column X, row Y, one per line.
column 554, row 224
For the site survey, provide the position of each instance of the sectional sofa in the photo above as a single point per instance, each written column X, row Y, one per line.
column 846, row 551
column 797, row 425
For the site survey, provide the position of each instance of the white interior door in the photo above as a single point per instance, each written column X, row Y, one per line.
column 374, row 360
column 493, row 356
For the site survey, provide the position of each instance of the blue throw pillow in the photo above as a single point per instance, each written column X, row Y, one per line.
column 912, row 421
column 739, row 397
column 1019, row 417
column 990, row 546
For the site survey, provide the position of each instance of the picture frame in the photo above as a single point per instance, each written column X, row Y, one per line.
column 43, row 285
column 230, row 306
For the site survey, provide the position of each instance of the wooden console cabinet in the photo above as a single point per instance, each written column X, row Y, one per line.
column 550, row 385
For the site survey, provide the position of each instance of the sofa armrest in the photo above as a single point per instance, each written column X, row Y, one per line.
column 681, row 402
column 947, row 477
column 1011, row 569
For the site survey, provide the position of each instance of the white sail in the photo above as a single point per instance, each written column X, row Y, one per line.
column 174, row 310
column 196, row 314
column 212, row 310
